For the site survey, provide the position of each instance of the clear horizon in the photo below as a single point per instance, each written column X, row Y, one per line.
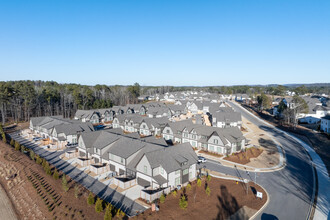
column 175, row 43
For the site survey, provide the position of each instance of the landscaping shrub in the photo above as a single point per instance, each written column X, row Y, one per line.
column 47, row 169
column 174, row 193
column 17, row 146
column 90, row 199
column 65, row 183
column 43, row 163
column 208, row 190
column 32, row 154
column 4, row 138
column 108, row 212
column 208, row 178
column 183, row 202
column 38, row 160
column 199, row 182
column 98, row 205
column 76, row 191
column 188, row 186
column 12, row 142
column 162, row 198
column 120, row 214
column 56, row 175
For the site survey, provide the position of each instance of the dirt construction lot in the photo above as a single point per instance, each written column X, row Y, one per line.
column 259, row 138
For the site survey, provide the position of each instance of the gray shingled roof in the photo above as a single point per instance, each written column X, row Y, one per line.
column 227, row 116
column 172, row 158
column 69, row 129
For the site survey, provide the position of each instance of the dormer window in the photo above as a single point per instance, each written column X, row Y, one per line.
column 215, row 141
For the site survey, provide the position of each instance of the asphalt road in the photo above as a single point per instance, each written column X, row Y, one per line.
column 98, row 188
column 291, row 188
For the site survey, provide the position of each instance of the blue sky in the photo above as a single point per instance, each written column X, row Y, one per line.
column 165, row 42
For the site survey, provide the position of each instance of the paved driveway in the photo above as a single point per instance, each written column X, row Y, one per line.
column 133, row 192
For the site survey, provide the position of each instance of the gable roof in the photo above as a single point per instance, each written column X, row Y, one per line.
column 172, row 158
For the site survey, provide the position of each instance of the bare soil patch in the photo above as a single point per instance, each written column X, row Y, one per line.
column 36, row 195
column 319, row 141
column 225, row 199
column 244, row 157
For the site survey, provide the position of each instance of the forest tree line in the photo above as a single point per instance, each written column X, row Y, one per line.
column 20, row 100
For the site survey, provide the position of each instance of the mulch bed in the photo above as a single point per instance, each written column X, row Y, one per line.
column 244, row 157
column 211, row 153
column 225, row 199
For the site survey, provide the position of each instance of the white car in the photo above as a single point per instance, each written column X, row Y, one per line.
column 201, row 159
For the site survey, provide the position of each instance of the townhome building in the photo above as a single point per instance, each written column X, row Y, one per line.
column 59, row 131
column 92, row 116
column 222, row 119
column 158, row 112
column 152, row 166
column 172, row 132
column 69, row 133
column 132, row 122
column 213, row 139
column 325, row 124
column 153, row 126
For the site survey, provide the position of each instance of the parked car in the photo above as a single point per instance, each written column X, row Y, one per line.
column 201, row 159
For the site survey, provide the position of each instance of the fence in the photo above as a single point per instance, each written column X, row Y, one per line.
column 151, row 195
column 124, row 183
column 85, row 162
column 98, row 169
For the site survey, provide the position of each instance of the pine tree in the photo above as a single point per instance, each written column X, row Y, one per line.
column 90, row 199
column 17, row 146
column 43, row 163
column 183, row 202
column 174, row 193
column 199, row 182
column 108, row 214
column 98, row 205
column 208, row 190
column 4, row 139
column 56, row 175
column 162, row 198
column 12, row 143
column 65, row 183
column 76, row 191
column 32, row 154
column 38, row 160
column 47, row 169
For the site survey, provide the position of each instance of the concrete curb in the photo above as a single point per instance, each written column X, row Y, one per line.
column 263, row 207
column 320, row 170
